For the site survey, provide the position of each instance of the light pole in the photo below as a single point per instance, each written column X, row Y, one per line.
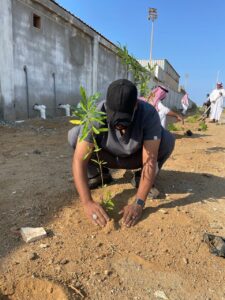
column 152, row 15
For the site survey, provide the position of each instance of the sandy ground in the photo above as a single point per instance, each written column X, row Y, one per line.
column 162, row 257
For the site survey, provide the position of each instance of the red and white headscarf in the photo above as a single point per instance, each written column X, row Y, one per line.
column 185, row 100
column 219, row 85
column 158, row 94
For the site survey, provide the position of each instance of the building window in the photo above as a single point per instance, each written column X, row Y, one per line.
column 36, row 21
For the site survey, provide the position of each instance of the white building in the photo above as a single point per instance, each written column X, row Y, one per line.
column 166, row 75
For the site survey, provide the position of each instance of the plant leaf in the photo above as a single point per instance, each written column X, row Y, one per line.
column 75, row 122
column 95, row 130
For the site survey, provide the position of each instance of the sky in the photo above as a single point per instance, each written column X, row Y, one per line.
column 188, row 33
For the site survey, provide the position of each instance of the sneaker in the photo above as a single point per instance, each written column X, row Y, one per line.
column 96, row 181
column 136, row 179
column 137, row 176
column 154, row 193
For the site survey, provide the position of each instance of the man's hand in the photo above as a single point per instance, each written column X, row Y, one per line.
column 95, row 213
column 131, row 214
column 180, row 118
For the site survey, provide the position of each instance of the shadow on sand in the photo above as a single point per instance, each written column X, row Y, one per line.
column 196, row 186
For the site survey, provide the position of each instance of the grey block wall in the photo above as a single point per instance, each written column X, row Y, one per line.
column 7, row 104
column 48, row 65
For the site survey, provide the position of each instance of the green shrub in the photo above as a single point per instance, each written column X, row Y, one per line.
column 173, row 127
column 193, row 119
column 203, row 126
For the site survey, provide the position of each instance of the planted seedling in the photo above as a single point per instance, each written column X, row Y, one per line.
column 93, row 123
column 107, row 202
column 202, row 126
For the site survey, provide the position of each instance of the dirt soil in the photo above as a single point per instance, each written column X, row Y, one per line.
column 162, row 257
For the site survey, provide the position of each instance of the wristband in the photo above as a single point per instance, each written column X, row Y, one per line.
column 140, row 202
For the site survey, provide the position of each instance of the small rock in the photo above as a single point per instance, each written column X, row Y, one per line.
column 185, row 260
column 44, row 246
column 64, row 261
column 107, row 272
column 160, row 295
column 30, row 234
column 33, row 256
column 95, row 273
column 163, row 211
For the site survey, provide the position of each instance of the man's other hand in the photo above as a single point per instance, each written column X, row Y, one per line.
column 131, row 214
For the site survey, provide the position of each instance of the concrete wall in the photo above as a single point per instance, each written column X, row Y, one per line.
column 56, row 59
column 49, row 64
column 7, row 110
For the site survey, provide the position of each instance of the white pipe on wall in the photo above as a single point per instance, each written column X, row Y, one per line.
column 42, row 109
column 66, row 107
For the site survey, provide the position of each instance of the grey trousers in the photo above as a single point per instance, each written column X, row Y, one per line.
column 131, row 162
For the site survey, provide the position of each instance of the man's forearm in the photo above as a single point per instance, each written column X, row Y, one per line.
column 81, row 180
column 147, row 180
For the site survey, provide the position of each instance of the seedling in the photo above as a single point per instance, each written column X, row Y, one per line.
column 107, row 202
column 93, row 123
column 203, row 126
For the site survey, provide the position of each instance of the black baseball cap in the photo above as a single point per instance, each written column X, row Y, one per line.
column 121, row 99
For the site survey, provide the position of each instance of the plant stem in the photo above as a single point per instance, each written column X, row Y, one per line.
column 98, row 160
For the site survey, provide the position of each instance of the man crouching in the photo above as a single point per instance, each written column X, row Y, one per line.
column 135, row 139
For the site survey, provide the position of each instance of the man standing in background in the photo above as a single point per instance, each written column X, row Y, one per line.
column 216, row 99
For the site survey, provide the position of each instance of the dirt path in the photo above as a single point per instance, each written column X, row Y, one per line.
column 163, row 257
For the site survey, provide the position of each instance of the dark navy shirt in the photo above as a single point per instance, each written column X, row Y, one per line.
column 145, row 126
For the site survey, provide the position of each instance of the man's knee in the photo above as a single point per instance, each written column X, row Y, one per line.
column 73, row 135
column 170, row 141
column 166, row 147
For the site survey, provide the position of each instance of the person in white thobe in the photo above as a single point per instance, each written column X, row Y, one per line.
column 217, row 98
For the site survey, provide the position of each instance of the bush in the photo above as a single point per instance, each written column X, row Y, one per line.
column 193, row 119
column 173, row 127
column 203, row 126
